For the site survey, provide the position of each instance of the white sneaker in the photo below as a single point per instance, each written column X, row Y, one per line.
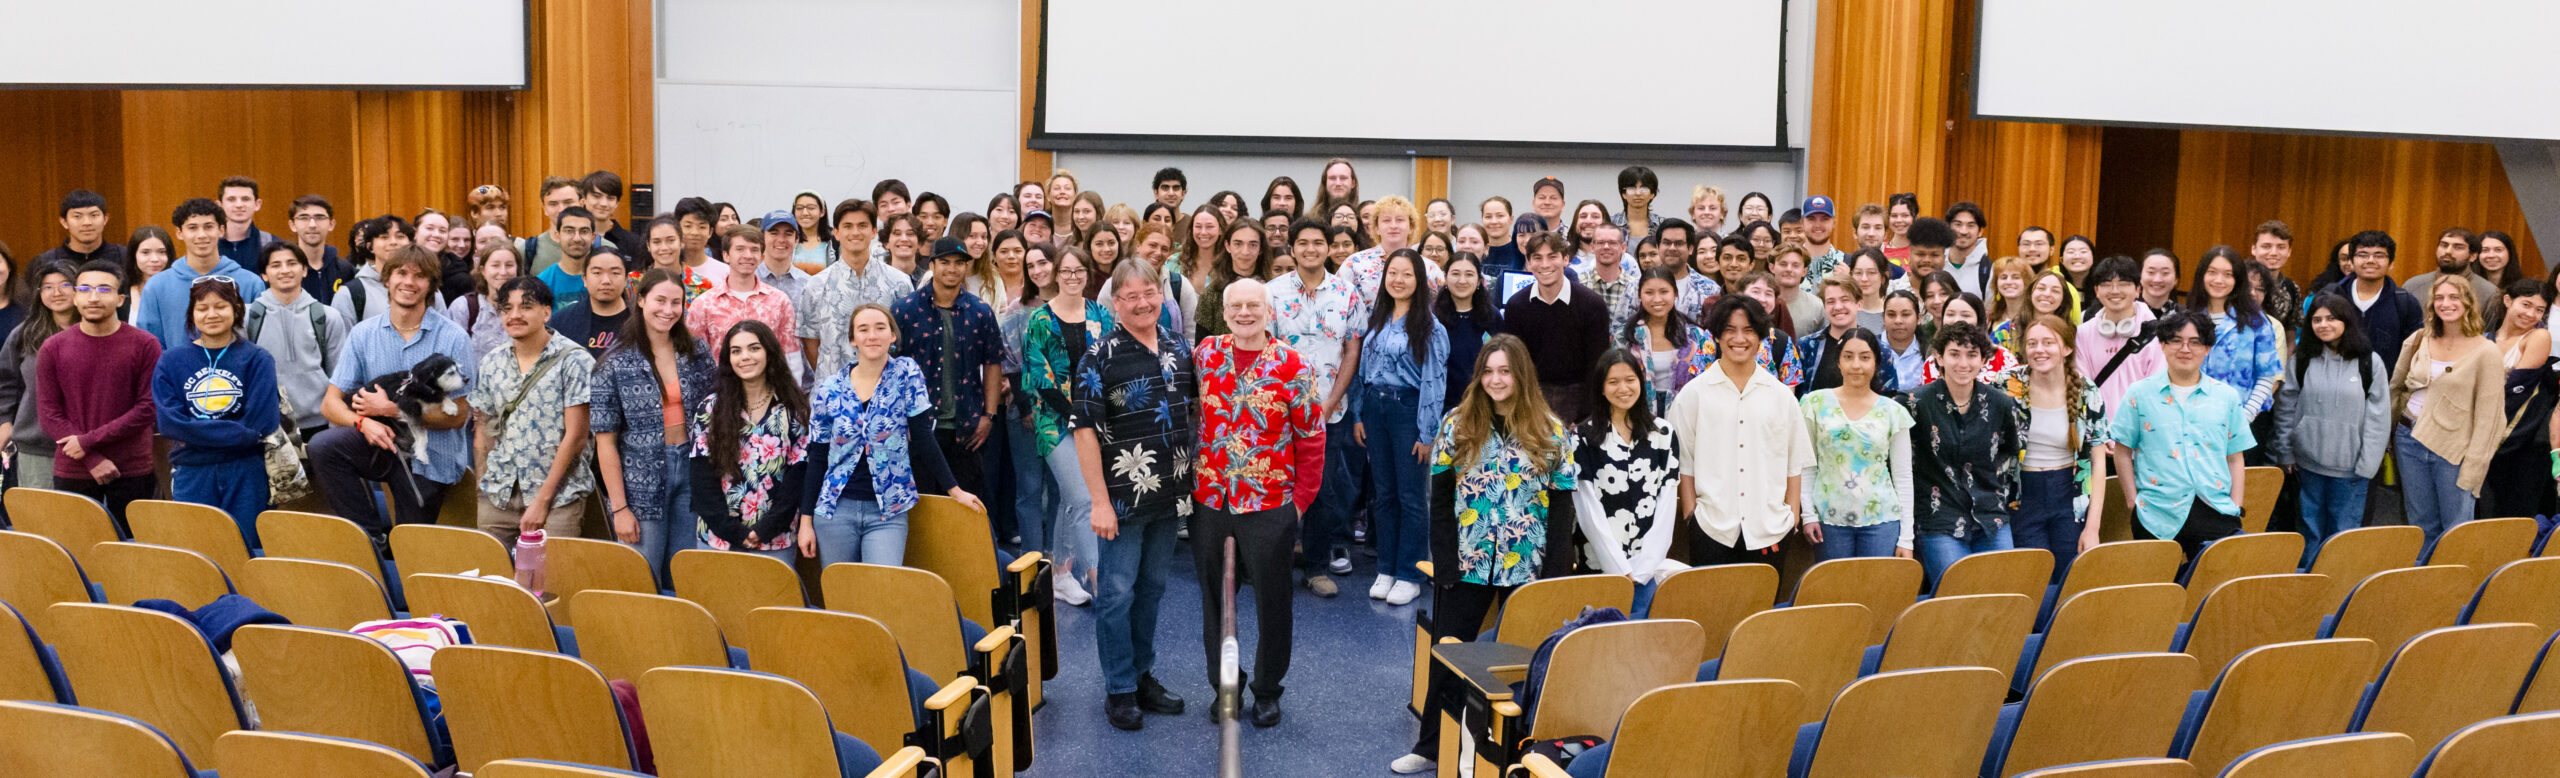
column 1378, row 591
column 1403, row 592
column 1410, row 764
column 1070, row 591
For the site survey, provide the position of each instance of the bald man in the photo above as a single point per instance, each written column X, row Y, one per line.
column 1261, row 462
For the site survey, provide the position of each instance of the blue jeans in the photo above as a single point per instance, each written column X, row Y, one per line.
column 2329, row 506
column 1131, row 587
column 858, row 531
column 1334, row 499
column 238, row 487
column 2045, row 519
column 673, row 530
column 2427, row 487
column 1071, row 534
column 1033, row 490
column 1390, row 414
column 1874, row 540
column 1937, row 552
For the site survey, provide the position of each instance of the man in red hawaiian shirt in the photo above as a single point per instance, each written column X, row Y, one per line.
column 1261, row 460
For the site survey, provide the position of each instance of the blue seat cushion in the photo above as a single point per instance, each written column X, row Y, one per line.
column 1707, row 669
column 2364, row 705
column 2197, row 703
column 854, row 758
column 1808, row 737
column 1591, row 764
column 2027, row 656
column 920, row 687
column 568, row 639
column 2002, row 732
column 738, row 658
column 1868, row 661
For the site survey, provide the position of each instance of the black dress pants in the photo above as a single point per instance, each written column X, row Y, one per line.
column 1265, row 542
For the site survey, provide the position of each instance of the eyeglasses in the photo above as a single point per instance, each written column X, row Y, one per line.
column 213, row 279
column 309, row 218
column 2183, row 342
column 85, row 289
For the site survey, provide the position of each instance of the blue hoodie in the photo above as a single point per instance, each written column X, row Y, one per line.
column 162, row 308
column 218, row 404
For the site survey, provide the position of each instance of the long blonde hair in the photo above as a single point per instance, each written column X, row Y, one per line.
column 1532, row 427
column 2019, row 309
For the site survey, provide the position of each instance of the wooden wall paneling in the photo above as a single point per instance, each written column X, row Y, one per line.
column 590, row 106
column 2021, row 173
column 2330, row 187
column 58, row 141
column 1036, row 164
column 179, row 144
column 1430, row 178
column 1880, row 108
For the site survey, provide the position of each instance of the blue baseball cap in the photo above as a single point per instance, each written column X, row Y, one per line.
column 778, row 219
column 1819, row 204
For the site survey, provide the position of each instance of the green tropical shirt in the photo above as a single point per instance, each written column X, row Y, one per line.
column 1501, row 504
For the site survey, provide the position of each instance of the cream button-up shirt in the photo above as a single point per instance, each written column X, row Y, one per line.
column 1739, row 445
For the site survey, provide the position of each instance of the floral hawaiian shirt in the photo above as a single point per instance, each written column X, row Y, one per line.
column 1777, row 355
column 520, row 457
column 1501, row 504
column 1853, row 483
column 1965, row 474
column 826, row 308
column 1366, row 268
column 765, row 450
column 1316, row 324
column 1687, row 364
column 1258, row 429
column 1695, row 290
column 975, row 344
column 1048, row 370
column 1138, row 401
column 874, row 429
column 2088, row 414
column 712, row 314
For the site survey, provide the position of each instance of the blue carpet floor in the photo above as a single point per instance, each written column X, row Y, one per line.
column 1344, row 711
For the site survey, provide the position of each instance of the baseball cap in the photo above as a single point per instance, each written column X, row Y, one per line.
column 944, row 247
column 778, row 219
column 1819, row 204
column 1041, row 215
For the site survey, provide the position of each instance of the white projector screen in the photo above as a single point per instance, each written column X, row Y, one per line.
column 356, row 44
column 1436, row 73
column 2439, row 69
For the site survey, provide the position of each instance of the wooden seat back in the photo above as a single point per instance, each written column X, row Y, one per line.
column 1537, row 608
column 149, row 665
column 2122, row 563
column 695, row 714
column 2349, row 557
column 36, row 572
column 2134, row 618
column 201, row 528
column 1716, row 597
column 50, row 740
column 527, row 768
column 1717, row 729
column 2020, row 571
column 850, row 661
column 2241, row 556
column 313, row 593
column 2276, row 693
column 914, row 604
column 22, row 665
column 500, row 612
column 1885, row 585
column 439, row 548
column 320, row 536
column 1598, row 671
column 2119, row 768
column 74, row 521
column 2262, row 484
column 511, row 703
column 2484, row 544
column 1818, row 647
column 2246, row 613
column 573, row 565
column 2368, row 755
column 2445, row 679
column 2525, row 591
column 2104, row 707
column 247, row 754
column 307, row 679
column 730, row 584
column 133, row 572
column 2542, row 689
column 2509, row 747
column 625, row 634
column 950, row 540
column 1869, row 730
column 1981, row 630
column 2392, row 606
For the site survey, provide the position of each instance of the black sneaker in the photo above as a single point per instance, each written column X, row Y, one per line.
column 1266, row 711
column 1341, row 564
column 1153, row 698
column 1123, row 711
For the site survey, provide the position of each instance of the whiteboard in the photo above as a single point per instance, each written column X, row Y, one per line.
column 757, row 145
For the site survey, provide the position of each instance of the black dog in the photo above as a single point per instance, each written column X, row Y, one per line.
column 433, row 381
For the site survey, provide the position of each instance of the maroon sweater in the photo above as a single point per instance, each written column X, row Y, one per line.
column 100, row 390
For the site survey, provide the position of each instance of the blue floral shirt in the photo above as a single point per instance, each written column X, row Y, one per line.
column 2245, row 358
column 1501, row 504
column 1138, row 402
column 874, row 429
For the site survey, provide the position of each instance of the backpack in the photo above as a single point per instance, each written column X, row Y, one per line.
column 1527, row 691
column 257, row 319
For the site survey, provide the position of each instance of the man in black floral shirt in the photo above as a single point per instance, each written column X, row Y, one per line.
column 1134, row 435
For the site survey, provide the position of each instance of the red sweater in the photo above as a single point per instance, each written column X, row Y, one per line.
column 100, row 390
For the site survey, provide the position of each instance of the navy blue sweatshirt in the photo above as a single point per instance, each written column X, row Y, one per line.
column 218, row 404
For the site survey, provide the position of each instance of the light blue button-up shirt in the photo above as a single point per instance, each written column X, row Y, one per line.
column 2182, row 439
column 374, row 349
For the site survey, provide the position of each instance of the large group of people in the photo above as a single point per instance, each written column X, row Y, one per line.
column 1601, row 388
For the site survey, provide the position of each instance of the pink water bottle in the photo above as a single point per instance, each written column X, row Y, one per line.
column 529, row 561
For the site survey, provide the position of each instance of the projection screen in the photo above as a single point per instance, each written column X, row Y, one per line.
column 347, row 44
column 2462, row 69
column 1124, row 74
